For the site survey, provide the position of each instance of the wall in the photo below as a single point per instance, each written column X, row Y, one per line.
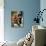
column 29, row 7
column 1, row 21
column 42, row 6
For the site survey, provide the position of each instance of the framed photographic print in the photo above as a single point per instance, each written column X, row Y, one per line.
column 17, row 18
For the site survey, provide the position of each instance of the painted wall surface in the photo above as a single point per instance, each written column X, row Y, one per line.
column 29, row 7
column 43, row 6
column 1, row 21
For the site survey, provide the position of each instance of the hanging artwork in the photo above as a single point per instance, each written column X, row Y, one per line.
column 17, row 18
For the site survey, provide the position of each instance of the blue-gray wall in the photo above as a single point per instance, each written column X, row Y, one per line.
column 29, row 7
column 43, row 6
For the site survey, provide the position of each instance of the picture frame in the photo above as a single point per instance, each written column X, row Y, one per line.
column 17, row 19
